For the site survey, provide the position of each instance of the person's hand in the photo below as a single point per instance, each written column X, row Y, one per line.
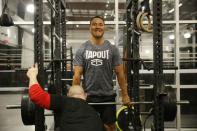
column 33, row 71
column 126, row 100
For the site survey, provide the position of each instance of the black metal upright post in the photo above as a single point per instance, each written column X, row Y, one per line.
column 52, row 90
column 71, row 57
column 64, row 47
column 158, row 66
column 57, row 51
column 57, row 57
column 38, row 53
column 134, row 65
column 127, row 49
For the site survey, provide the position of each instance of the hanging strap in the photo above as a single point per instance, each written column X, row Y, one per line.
column 5, row 6
column 145, row 7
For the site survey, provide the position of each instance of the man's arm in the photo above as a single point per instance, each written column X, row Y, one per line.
column 78, row 71
column 121, row 81
column 36, row 93
column 39, row 96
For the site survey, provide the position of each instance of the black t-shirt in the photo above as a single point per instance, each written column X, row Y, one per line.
column 76, row 114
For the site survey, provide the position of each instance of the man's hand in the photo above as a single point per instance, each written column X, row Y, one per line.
column 32, row 74
column 126, row 100
column 33, row 71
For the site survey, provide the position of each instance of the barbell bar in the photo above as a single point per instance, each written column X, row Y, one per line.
column 51, row 114
column 18, row 106
column 137, row 103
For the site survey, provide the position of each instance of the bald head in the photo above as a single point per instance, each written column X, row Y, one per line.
column 77, row 92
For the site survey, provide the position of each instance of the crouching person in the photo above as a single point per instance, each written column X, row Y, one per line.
column 76, row 114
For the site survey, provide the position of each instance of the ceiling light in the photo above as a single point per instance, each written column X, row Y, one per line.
column 171, row 37
column 172, row 10
column 180, row 4
column 32, row 30
column 106, row 5
column 77, row 26
column 30, row 8
column 167, row 48
column 147, row 51
column 187, row 35
column 8, row 32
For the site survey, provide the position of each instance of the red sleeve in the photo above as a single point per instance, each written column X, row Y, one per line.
column 39, row 96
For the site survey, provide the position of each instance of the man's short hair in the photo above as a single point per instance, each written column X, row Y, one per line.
column 97, row 17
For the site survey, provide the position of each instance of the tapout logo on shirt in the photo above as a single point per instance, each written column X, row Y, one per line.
column 97, row 55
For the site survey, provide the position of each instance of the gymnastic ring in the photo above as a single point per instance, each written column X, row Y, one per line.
column 149, row 26
column 138, row 20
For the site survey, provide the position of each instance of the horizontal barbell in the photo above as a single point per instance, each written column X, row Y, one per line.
column 67, row 79
column 51, row 114
column 137, row 103
column 18, row 106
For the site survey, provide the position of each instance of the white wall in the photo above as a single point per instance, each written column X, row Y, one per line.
column 27, row 59
column 0, row 7
column 28, row 47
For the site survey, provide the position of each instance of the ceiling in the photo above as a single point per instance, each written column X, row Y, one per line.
column 78, row 10
column 82, row 10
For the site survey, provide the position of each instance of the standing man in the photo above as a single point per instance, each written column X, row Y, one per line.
column 96, row 60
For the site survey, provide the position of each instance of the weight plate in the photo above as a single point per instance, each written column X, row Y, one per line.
column 169, row 101
column 124, row 120
column 27, row 110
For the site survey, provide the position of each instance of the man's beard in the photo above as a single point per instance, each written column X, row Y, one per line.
column 98, row 37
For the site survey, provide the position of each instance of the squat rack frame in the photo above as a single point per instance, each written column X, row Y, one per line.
column 59, row 23
column 134, row 65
